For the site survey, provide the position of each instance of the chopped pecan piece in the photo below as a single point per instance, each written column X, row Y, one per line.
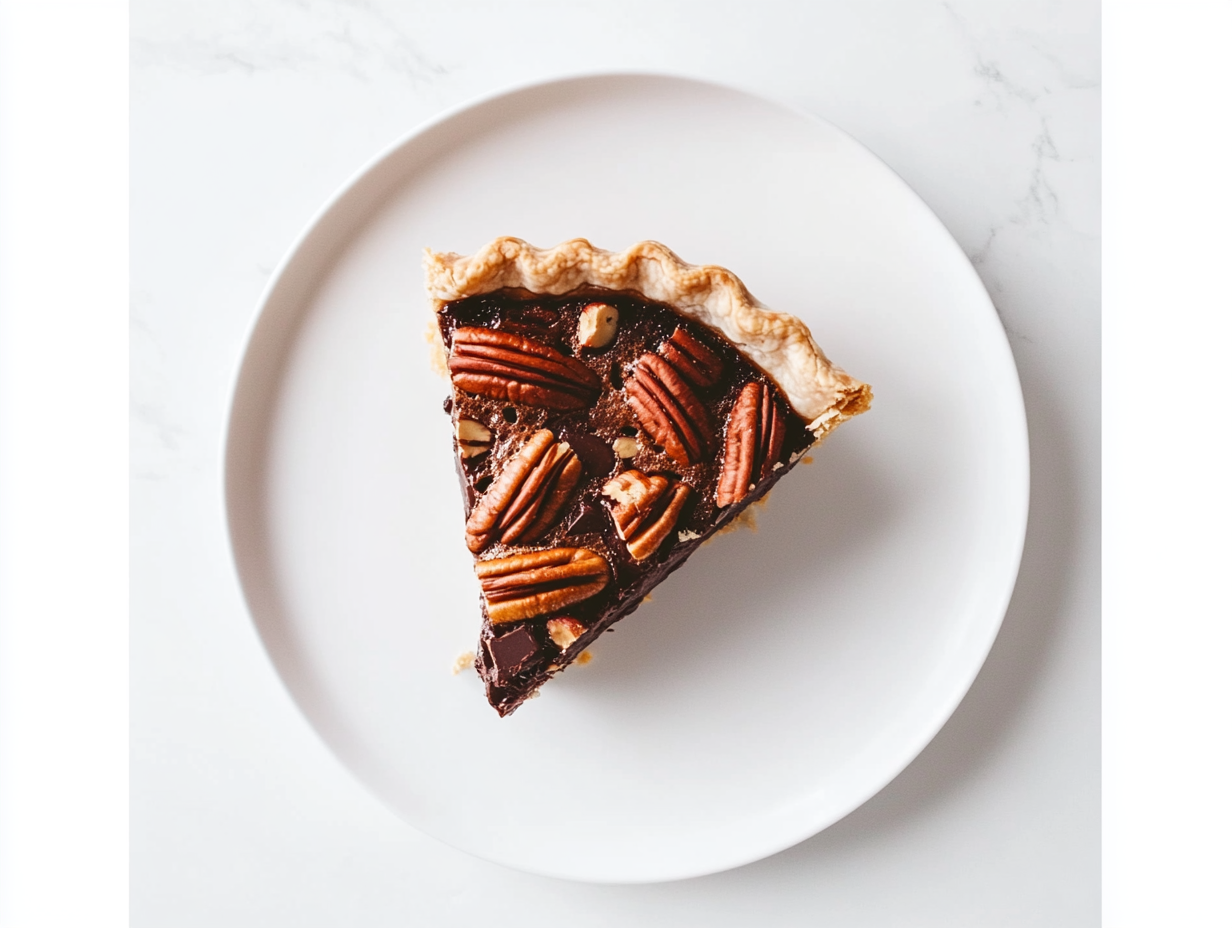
column 474, row 438
column 508, row 366
column 669, row 410
column 597, row 325
column 696, row 363
column 755, row 429
column 564, row 631
column 646, row 510
column 528, row 496
column 523, row 586
column 626, row 447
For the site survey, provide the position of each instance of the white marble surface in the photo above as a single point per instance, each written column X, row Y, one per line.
column 247, row 115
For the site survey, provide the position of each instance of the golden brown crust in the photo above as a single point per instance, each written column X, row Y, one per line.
column 779, row 343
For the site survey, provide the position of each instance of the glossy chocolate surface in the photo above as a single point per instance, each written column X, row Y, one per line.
column 591, row 432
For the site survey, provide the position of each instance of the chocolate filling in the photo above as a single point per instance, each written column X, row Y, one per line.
column 514, row 662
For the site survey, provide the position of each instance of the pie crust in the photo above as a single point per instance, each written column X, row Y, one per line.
column 780, row 344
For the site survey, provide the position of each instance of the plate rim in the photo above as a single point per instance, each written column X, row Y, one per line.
column 244, row 362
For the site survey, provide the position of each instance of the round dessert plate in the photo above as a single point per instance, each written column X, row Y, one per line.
column 782, row 676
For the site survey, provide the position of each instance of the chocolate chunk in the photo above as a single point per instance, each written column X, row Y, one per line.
column 595, row 454
column 511, row 652
column 448, row 405
column 590, row 518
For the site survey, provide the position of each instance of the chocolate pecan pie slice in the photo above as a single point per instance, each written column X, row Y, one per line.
column 612, row 411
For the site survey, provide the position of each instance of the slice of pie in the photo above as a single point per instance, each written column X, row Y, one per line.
column 612, row 411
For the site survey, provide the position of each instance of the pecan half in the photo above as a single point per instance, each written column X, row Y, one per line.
column 646, row 510
column 669, row 410
column 523, row 586
column 525, row 500
column 695, row 362
column 512, row 367
column 755, row 429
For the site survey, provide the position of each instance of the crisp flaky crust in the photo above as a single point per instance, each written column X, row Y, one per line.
column 780, row 344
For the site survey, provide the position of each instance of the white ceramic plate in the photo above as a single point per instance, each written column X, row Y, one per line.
column 782, row 677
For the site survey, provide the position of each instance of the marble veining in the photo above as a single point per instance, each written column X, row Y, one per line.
column 352, row 37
